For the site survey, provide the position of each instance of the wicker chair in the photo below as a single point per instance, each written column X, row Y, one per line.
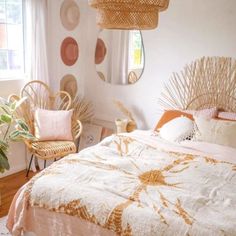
column 39, row 95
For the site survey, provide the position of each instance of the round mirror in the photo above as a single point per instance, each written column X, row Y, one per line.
column 119, row 56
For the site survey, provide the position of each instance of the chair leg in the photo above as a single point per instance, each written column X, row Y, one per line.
column 44, row 164
column 28, row 170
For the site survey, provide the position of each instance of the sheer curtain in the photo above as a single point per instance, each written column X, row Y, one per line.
column 119, row 57
column 36, row 39
column 36, row 57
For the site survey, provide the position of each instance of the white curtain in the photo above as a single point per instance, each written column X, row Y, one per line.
column 36, row 39
column 119, row 57
column 36, row 12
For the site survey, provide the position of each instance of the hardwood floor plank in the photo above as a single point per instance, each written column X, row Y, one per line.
column 9, row 185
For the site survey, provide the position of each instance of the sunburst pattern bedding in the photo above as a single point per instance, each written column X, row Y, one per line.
column 138, row 185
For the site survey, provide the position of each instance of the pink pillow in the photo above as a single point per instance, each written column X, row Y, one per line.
column 227, row 115
column 53, row 125
column 207, row 113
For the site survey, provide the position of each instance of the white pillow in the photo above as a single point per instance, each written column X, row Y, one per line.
column 177, row 129
column 216, row 131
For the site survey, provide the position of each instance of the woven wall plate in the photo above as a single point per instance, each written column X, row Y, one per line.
column 69, row 51
column 70, row 14
column 100, row 52
column 69, row 84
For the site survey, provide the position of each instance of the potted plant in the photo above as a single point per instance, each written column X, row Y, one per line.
column 11, row 129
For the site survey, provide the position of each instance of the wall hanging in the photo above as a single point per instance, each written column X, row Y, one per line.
column 69, row 84
column 100, row 52
column 128, row 14
column 69, row 14
column 69, row 51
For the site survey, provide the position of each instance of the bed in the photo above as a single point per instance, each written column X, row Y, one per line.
column 133, row 184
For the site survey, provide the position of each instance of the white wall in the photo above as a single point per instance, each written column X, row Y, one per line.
column 188, row 30
column 17, row 150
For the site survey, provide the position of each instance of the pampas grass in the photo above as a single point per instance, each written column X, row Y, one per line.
column 131, row 126
column 123, row 110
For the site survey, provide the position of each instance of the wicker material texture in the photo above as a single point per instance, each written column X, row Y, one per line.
column 52, row 149
column 206, row 83
column 39, row 95
column 128, row 14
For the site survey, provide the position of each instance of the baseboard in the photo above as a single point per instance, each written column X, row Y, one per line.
column 13, row 170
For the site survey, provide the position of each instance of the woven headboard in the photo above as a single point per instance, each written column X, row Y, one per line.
column 207, row 82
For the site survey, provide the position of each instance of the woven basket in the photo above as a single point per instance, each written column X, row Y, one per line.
column 128, row 14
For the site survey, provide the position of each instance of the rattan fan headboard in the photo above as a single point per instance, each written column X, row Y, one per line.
column 207, row 82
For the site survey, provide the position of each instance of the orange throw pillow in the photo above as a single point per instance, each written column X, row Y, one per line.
column 170, row 115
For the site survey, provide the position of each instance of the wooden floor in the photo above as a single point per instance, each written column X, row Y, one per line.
column 9, row 186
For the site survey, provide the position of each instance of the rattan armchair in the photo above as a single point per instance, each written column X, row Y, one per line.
column 39, row 95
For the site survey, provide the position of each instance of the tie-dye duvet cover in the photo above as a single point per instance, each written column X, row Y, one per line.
column 137, row 184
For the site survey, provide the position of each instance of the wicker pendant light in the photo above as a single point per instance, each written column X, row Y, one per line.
column 128, row 14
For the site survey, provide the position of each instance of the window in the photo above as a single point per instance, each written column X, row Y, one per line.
column 136, row 56
column 11, row 39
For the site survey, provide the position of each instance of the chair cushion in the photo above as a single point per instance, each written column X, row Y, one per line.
column 52, row 149
column 53, row 125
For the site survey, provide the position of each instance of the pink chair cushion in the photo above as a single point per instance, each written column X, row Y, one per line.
column 53, row 125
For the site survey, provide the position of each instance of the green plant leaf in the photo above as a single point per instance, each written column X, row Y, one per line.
column 4, row 101
column 3, row 145
column 1, row 170
column 14, row 134
column 6, row 118
column 3, row 160
column 13, row 106
column 5, row 109
column 18, row 135
column 22, row 125
column 26, row 135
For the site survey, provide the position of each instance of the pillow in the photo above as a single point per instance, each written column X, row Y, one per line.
column 227, row 115
column 216, row 131
column 207, row 113
column 178, row 129
column 170, row 115
column 53, row 125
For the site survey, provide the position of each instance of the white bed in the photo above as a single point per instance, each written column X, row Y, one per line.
column 111, row 188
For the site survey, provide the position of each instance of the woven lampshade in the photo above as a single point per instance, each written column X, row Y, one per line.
column 128, row 14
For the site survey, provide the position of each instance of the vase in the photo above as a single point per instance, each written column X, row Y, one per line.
column 121, row 125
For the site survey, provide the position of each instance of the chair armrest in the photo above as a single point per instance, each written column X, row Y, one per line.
column 13, row 97
column 78, row 129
